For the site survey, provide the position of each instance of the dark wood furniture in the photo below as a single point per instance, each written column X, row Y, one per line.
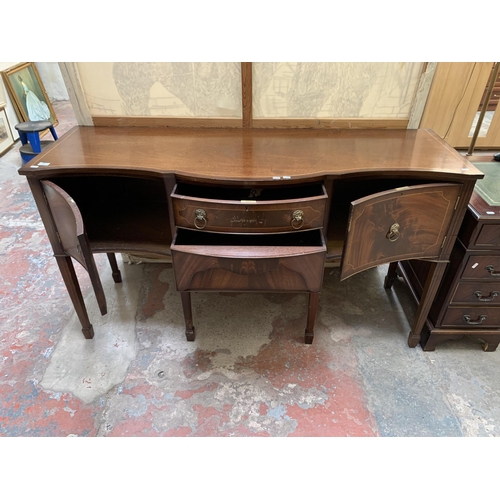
column 254, row 210
column 468, row 300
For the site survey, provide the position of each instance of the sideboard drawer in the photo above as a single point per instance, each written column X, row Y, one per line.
column 477, row 293
column 249, row 210
column 489, row 236
column 470, row 317
column 482, row 267
column 213, row 261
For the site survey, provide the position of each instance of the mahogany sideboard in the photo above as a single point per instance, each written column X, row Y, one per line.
column 252, row 210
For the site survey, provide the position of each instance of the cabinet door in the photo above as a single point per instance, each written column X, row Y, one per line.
column 400, row 224
column 69, row 223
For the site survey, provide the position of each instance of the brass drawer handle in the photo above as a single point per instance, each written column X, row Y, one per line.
column 200, row 217
column 393, row 233
column 297, row 219
column 468, row 320
column 491, row 270
column 490, row 297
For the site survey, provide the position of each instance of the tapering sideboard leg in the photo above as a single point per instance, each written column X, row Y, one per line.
column 432, row 283
column 391, row 275
column 71, row 281
column 117, row 277
column 311, row 316
column 188, row 315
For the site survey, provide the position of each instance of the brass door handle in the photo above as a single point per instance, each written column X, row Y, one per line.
column 200, row 218
column 393, row 233
column 491, row 270
column 490, row 297
column 469, row 321
column 297, row 219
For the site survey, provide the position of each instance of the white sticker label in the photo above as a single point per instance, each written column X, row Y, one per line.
column 286, row 177
column 43, row 164
column 276, row 178
column 34, row 166
column 475, row 265
column 490, row 213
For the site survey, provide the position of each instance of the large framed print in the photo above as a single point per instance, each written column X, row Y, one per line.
column 6, row 139
column 28, row 93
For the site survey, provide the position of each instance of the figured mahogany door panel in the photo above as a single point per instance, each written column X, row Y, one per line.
column 489, row 236
column 251, row 267
column 472, row 317
column 67, row 218
column 476, row 293
column 249, row 210
column 400, row 224
column 69, row 224
column 482, row 267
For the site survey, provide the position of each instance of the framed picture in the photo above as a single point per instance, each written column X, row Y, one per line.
column 6, row 139
column 28, row 93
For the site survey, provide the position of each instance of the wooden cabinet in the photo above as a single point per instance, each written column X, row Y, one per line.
column 263, row 214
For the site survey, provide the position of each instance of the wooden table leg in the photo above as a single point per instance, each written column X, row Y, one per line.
column 311, row 316
column 391, row 275
column 432, row 283
column 188, row 315
column 117, row 277
column 63, row 261
column 71, row 281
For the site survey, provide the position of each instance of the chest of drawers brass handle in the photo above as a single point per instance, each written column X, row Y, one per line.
column 490, row 297
column 469, row 321
column 200, row 218
column 491, row 270
column 297, row 219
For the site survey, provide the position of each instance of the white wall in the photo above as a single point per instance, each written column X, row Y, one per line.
column 53, row 82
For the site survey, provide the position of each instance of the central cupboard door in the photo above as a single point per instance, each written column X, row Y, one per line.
column 400, row 224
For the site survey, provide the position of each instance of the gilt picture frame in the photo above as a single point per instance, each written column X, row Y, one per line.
column 28, row 94
column 6, row 138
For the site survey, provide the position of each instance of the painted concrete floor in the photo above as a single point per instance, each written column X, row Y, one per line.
column 247, row 374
